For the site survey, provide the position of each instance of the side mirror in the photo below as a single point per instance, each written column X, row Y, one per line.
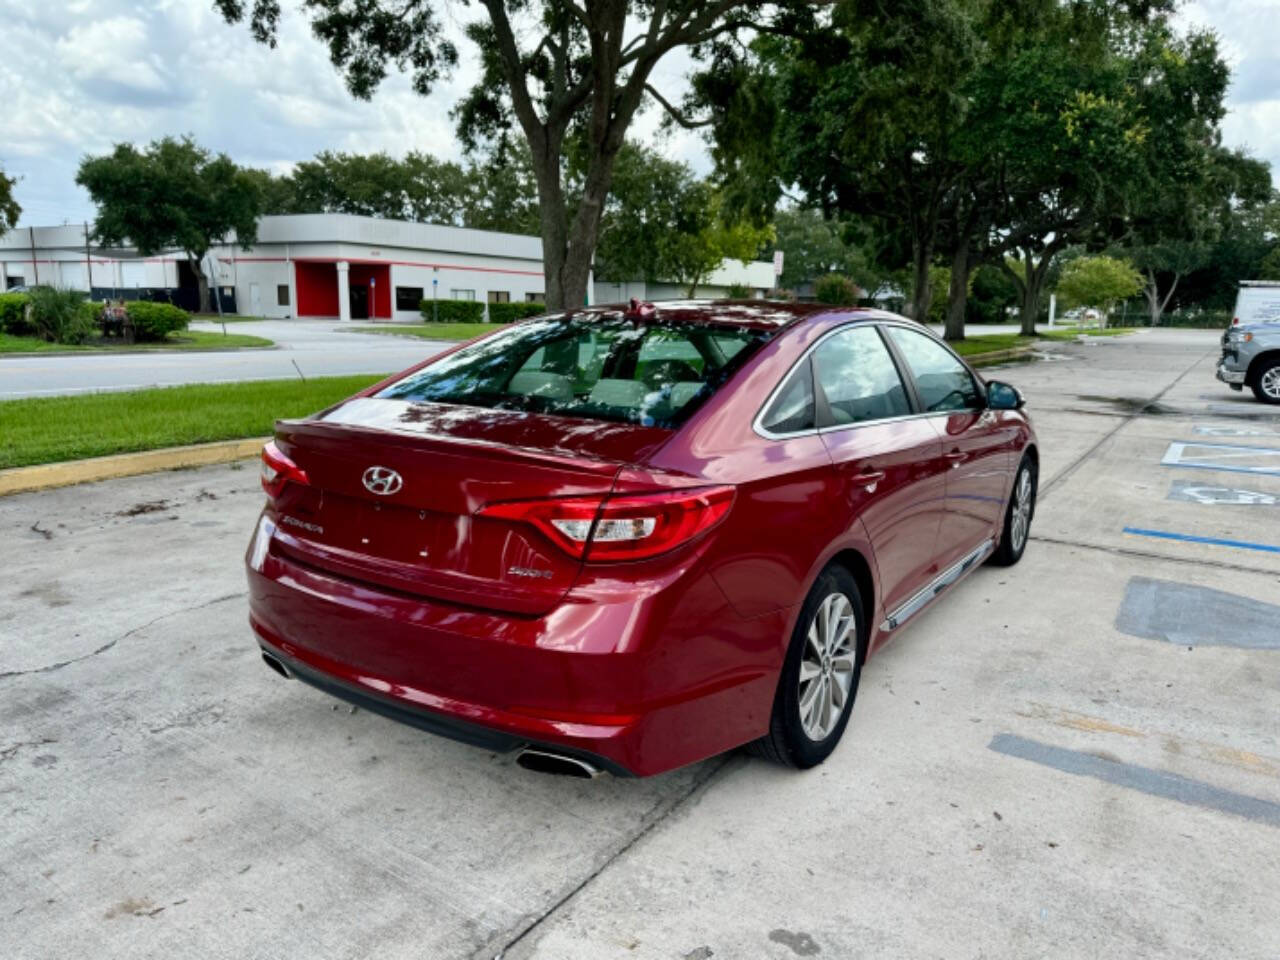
column 1001, row 396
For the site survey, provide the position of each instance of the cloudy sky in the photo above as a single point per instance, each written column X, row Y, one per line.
column 77, row 76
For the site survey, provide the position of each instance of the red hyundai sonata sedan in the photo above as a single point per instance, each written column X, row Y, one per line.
column 627, row 539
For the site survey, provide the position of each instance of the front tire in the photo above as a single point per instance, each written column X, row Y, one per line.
column 1266, row 385
column 1017, row 516
column 820, row 675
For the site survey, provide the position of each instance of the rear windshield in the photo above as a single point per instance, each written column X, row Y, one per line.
column 620, row 369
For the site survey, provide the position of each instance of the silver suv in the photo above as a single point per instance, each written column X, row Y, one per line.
column 1251, row 357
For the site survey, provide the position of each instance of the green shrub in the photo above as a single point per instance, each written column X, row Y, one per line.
column 155, row 321
column 13, row 314
column 1203, row 319
column 511, row 312
column 780, row 293
column 452, row 311
column 836, row 289
column 738, row 291
column 61, row 316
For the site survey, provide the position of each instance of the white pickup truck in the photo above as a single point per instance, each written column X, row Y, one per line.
column 1251, row 345
column 1258, row 301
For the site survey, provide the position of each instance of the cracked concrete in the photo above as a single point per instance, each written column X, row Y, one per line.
column 164, row 794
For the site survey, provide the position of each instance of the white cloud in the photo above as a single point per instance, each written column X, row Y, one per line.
column 1246, row 31
column 78, row 76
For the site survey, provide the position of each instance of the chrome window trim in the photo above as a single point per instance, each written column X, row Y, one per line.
column 760, row 430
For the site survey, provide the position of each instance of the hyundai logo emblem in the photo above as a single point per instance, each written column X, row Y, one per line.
column 383, row 481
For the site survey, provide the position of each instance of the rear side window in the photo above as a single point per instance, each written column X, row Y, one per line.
column 792, row 409
column 942, row 381
column 620, row 369
column 858, row 378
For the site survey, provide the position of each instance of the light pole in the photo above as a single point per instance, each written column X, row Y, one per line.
column 435, row 309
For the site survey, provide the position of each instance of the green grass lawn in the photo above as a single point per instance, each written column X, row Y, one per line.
column 186, row 340
column 1070, row 333
column 990, row 342
column 49, row 429
column 433, row 331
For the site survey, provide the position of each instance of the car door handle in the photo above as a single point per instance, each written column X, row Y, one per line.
column 868, row 479
column 957, row 457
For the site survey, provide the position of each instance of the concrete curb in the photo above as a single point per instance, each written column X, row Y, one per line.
column 1000, row 356
column 46, row 476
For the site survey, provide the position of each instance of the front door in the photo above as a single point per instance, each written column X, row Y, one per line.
column 255, row 299
column 359, row 301
column 888, row 463
column 976, row 442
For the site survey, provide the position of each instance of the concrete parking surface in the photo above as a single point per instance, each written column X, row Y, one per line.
column 1073, row 757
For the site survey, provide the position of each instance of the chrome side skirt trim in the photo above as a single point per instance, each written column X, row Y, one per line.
column 945, row 579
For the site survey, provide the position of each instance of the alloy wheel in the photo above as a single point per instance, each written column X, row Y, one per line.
column 1270, row 383
column 1021, row 521
column 827, row 668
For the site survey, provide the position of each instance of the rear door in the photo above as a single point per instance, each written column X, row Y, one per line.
column 888, row 462
column 976, row 443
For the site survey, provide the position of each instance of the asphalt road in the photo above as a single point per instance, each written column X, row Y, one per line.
column 314, row 347
column 318, row 348
column 1074, row 757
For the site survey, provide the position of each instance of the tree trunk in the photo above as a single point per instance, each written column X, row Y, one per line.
column 568, row 247
column 958, row 293
column 921, row 293
column 1152, row 293
column 1032, row 291
column 202, row 282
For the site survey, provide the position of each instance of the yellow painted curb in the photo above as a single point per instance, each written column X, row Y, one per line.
column 46, row 476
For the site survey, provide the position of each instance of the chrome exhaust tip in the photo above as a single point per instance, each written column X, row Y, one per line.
column 276, row 665
column 557, row 764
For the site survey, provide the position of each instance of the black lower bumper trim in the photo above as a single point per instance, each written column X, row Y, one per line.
column 440, row 724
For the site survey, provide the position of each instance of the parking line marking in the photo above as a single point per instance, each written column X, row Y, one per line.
column 1155, row 783
column 1192, row 538
column 1177, row 456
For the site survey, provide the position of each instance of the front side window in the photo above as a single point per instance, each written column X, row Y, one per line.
column 858, row 377
column 942, row 381
column 621, row 369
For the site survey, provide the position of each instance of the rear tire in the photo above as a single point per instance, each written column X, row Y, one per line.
column 1266, row 385
column 1018, row 515
column 827, row 647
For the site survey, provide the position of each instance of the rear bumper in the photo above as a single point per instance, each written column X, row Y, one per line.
column 441, row 724
column 634, row 684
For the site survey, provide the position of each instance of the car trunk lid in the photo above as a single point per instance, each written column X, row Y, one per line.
column 422, row 536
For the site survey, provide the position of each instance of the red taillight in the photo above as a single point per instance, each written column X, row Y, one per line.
column 630, row 527
column 277, row 470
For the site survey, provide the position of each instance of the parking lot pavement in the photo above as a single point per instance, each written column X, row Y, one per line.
column 318, row 348
column 1076, row 756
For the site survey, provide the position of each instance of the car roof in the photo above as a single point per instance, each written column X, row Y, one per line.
column 753, row 314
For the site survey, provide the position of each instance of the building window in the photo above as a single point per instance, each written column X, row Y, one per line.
column 408, row 298
column 457, row 294
column 499, row 296
column 535, row 297
column 282, row 295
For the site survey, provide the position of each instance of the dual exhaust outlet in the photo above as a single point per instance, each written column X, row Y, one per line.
column 537, row 759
